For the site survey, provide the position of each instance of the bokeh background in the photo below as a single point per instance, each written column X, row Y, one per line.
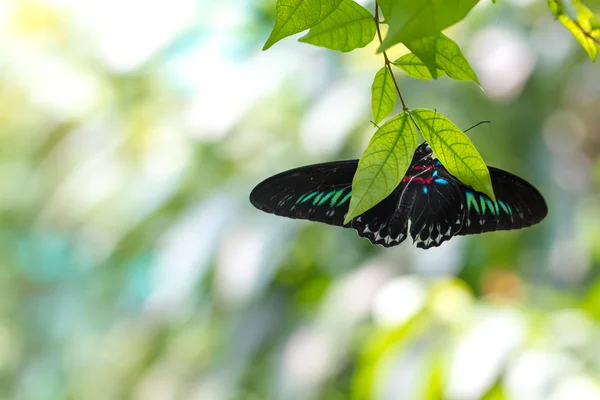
column 133, row 266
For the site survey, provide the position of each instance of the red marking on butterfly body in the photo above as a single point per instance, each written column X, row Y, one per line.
column 422, row 181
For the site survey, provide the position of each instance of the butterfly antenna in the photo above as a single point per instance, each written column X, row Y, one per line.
column 485, row 121
column 375, row 125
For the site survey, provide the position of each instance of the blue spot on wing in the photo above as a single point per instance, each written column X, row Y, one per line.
column 425, row 189
column 434, row 173
column 441, row 181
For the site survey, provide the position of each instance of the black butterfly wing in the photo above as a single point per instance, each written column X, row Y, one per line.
column 438, row 210
column 322, row 193
column 444, row 206
column 518, row 205
column 387, row 223
column 319, row 192
column 429, row 202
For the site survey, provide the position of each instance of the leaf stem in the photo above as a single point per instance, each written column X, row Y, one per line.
column 586, row 33
column 388, row 63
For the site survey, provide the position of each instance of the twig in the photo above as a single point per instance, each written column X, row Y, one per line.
column 388, row 63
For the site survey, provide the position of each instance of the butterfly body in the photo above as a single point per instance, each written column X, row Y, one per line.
column 429, row 203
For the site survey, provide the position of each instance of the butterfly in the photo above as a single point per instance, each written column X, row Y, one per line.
column 429, row 203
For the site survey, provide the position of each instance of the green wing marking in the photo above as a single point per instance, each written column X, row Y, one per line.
column 471, row 202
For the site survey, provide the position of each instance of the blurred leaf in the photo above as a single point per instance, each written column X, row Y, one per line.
column 454, row 150
column 311, row 292
column 348, row 27
column 293, row 16
column 567, row 7
column 434, row 384
column 383, row 94
column 414, row 67
column 414, row 19
column 442, row 53
column 382, row 342
column 580, row 21
column 495, row 393
column 383, row 164
column 591, row 301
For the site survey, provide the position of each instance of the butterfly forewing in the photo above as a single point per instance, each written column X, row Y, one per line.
column 322, row 193
column 318, row 192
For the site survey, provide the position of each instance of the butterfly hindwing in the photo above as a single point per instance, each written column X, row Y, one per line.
column 438, row 212
column 386, row 223
column 446, row 207
column 518, row 205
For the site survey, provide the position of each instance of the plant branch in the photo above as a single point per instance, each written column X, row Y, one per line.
column 388, row 63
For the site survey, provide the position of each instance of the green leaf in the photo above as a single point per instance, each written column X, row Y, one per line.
column 348, row 27
column 450, row 59
column 293, row 16
column 581, row 22
column 383, row 94
column 383, row 164
column 386, row 8
column 424, row 49
column 410, row 20
column 454, row 150
column 443, row 53
column 413, row 66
